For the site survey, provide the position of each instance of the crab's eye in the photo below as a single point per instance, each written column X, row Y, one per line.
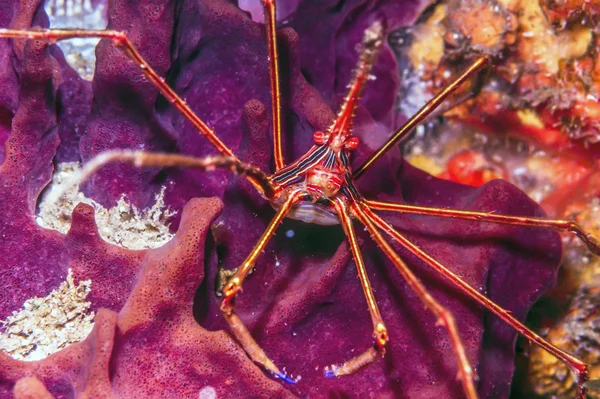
column 319, row 137
column 351, row 143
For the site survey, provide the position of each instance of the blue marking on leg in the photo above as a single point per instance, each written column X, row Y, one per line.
column 329, row 372
column 285, row 377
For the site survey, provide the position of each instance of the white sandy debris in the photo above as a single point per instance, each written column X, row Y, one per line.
column 122, row 225
column 46, row 325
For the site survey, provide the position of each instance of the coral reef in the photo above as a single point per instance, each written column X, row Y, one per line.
column 538, row 119
column 577, row 331
column 158, row 330
column 543, row 90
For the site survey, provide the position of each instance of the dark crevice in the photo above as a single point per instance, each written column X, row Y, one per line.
column 337, row 7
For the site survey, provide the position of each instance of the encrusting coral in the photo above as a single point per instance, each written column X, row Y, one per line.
column 158, row 330
column 46, row 325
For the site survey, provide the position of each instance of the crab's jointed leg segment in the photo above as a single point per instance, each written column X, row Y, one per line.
column 149, row 159
column 444, row 317
column 563, row 225
column 577, row 367
column 380, row 333
column 271, row 25
column 121, row 40
column 234, row 286
column 476, row 67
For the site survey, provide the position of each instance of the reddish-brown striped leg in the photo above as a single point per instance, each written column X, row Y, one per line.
column 150, row 159
column 444, row 317
column 577, row 367
column 271, row 24
column 476, row 67
column 121, row 40
column 563, row 225
column 234, row 286
column 380, row 333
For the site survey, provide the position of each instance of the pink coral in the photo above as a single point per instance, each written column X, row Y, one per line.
column 159, row 332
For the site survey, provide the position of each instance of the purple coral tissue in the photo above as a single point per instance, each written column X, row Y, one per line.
column 158, row 330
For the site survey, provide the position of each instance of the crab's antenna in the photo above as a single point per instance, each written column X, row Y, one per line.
column 480, row 64
column 149, row 159
column 372, row 41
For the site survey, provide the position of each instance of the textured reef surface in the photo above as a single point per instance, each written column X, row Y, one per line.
column 158, row 330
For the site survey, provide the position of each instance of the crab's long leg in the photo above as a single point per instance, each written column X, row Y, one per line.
column 563, row 225
column 379, row 330
column 476, row 67
column 234, row 286
column 271, row 23
column 577, row 367
column 445, row 318
column 121, row 40
column 149, row 159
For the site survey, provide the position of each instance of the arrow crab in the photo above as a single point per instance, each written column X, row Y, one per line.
column 319, row 188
